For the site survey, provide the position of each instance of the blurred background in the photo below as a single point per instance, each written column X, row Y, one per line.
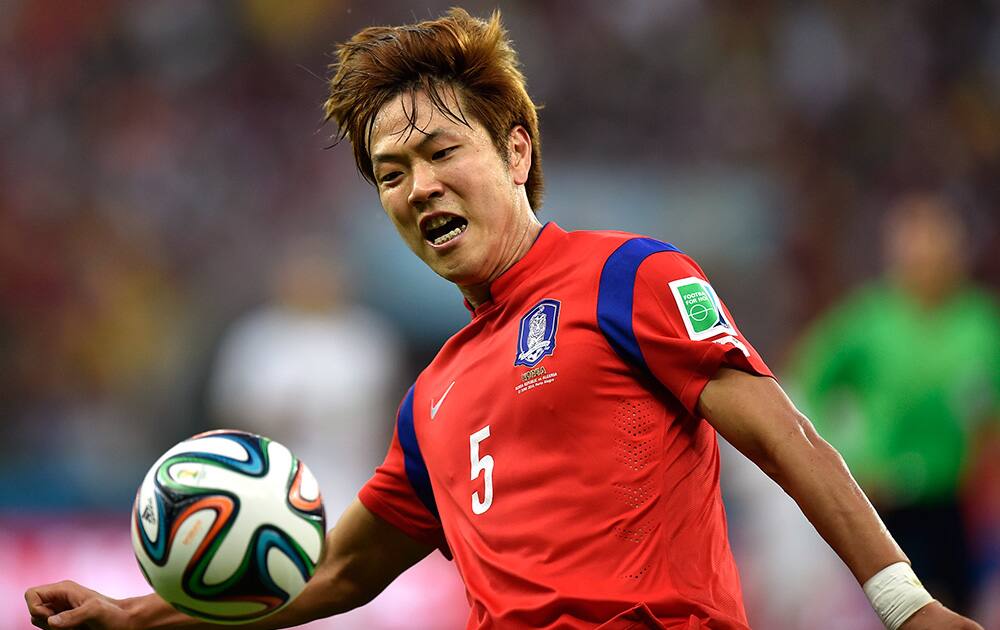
column 182, row 249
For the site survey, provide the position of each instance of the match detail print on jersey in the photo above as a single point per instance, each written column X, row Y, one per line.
column 700, row 308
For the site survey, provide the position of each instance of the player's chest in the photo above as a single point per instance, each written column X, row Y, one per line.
column 519, row 384
column 512, row 362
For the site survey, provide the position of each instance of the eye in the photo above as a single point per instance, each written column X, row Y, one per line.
column 443, row 153
column 388, row 178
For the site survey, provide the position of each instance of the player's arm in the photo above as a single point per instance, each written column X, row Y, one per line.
column 363, row 555
column 755, row 416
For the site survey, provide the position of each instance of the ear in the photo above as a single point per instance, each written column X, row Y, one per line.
column 520, row 154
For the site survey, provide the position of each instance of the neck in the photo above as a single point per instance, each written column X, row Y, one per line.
column 930, row 287
column 478, row 294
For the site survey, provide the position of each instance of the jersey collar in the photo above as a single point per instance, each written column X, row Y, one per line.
column 545, row 244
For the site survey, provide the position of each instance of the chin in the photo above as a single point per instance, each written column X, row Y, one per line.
column 452, row 269
column 461, row 277
column 458, row 278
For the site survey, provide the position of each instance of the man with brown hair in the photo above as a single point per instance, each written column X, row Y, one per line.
column 562, row 447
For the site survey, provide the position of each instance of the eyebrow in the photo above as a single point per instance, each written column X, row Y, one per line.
column 389, row 156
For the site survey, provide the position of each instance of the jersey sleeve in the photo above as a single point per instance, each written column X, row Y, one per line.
column 661, row 314
column 391, row 493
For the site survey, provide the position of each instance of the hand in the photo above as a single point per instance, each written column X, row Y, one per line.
column 934, row 616
column 66, row 604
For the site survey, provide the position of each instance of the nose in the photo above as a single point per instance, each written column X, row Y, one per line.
column 426, row 184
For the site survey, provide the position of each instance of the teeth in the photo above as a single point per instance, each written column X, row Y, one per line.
column 438, row 221
column 444, row 238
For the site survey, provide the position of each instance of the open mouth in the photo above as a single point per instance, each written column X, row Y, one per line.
column 443, row 228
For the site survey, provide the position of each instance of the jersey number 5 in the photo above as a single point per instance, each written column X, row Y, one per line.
column 481, row 464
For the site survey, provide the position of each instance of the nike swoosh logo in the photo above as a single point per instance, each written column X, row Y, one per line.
column 437, row 405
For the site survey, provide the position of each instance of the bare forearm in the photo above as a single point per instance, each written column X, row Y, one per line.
column 152, row 612
column 756, row 416
column 319, row 599
column 815, row 476
column 363, row 555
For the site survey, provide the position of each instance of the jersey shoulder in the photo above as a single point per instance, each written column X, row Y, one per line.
column 627, row 254
column 604, row 237
column 617, row 247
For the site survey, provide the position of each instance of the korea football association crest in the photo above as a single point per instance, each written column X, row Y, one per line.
column 536, row 338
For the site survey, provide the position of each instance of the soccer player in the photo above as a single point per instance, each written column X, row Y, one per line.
column 561, row 447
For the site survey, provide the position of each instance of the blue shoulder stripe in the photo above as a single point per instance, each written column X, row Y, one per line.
column 413, row 460
column 617, row 291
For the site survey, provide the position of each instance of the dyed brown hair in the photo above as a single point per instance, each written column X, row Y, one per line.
column 456, row 53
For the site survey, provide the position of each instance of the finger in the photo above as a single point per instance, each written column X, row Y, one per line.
column 41, row 610
column 75, row 616
column 51, row 593
column 36, row 607
column 40, row 622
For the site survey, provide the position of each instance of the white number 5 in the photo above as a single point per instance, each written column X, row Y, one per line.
column 485, row 465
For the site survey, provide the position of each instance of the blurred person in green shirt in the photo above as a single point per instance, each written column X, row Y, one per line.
column 903, row 377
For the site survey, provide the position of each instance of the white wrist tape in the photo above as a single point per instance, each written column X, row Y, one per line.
column 896, row 593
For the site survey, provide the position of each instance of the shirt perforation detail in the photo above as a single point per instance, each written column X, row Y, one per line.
column 638, row 573
column 635, row 534
column 634, row 496
column 634, row 419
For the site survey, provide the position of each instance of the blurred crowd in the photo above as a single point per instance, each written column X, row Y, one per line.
column 168, row 191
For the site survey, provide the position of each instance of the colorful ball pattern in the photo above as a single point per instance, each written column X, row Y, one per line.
column 228, row 526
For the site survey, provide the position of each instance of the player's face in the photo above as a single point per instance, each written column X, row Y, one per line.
column 456, row 203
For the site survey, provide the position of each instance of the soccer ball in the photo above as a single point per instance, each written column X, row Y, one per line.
column 228, row 526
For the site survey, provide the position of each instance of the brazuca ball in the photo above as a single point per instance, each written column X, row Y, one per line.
column 228, row 526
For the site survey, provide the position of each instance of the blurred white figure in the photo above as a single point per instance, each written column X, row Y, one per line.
column 313, row 370
column 317, row 372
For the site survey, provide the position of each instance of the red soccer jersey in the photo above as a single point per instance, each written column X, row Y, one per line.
column 554, row 448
